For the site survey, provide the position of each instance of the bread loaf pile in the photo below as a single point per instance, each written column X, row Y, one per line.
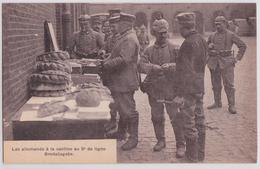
column 52, row 76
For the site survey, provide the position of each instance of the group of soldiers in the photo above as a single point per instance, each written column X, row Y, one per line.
column 174, row 75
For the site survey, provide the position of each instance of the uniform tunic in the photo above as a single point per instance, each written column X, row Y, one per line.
column 225, row 41
column 191, row 64
column 86, row 42
column 123, row 74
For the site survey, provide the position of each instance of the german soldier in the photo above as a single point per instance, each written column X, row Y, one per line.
column 85, row 43
column 124, row 80
column 190, row 68
column 221, row 62
column 109, row 45
column 159, row 63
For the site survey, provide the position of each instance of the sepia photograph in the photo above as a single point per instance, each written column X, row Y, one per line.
column 129, row 83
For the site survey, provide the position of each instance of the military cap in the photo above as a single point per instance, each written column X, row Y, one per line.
column 160, row 25
column 99, row 17
column 127, row 17
column 220, row 19
column 83, row 18
column 114, row 12
column 114, row 19
column 186, row 19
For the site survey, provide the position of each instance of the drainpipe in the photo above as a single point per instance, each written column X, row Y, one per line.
column 66, row 25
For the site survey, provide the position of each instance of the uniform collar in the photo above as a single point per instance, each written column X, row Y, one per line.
column 123, row 34
column 223, row 32
column 192, row 32
column 156, row 45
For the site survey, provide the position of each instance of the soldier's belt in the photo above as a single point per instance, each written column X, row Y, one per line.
column 221, row 53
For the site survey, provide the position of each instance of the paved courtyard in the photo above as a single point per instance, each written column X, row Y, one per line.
column 229, row 138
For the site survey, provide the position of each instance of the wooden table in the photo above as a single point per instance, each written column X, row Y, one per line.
column 79, row 123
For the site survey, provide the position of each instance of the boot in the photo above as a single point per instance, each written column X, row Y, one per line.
column 192, row 149
column 177, row 125
column 231, row 100
column 113, row 122
column 160, row 135
column 159, row 145
column 121, row 133
column 201, row 145
column 133, row 131
column 217, row 99
column 111, row 125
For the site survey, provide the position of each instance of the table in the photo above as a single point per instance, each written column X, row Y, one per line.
column 79, row 123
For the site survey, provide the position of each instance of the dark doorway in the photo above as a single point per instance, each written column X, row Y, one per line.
column 141, row 19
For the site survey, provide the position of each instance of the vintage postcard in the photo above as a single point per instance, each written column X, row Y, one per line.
column 167, row 83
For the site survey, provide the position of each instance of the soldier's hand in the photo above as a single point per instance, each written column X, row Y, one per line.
column 101, row 53
column 100, row 65
column 211, row 46
column 169, row 67
column 179, row 101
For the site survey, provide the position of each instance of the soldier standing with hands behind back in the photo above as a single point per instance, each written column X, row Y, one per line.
column 221, row 62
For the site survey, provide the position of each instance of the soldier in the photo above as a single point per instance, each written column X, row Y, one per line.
column 190, row 68
column 85, row 43
column 109, row 45
column 143, row 39
column 124, row 80
column 221, row 62
column 159, row 63
column 97, row 24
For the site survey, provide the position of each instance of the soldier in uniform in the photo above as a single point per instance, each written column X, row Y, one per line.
column 190, row 68
column 85, row 43
column 109, row 45
column 159, row 63
column 123, row 74
column 143, row 39
column 97, row 24
column 221, row 62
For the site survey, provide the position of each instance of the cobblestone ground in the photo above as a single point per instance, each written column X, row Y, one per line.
column 230, row 138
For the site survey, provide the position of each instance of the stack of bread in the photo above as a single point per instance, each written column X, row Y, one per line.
column 52, row 76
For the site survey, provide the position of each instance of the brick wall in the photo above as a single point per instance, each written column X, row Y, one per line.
column 22, row 40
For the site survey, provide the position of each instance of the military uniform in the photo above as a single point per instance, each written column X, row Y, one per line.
column 110, row 42
column 86, row 44
column 161, row 90
column 221, row 63
column 191, row 64
column 97, row 23
column 124, row 80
